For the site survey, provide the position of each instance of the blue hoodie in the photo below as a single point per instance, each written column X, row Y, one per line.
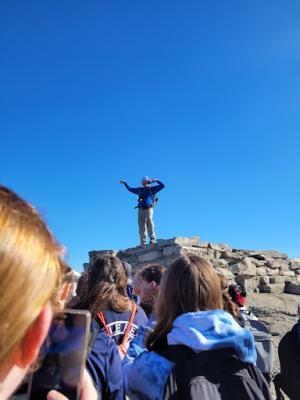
column 146, row 372
column 146, row 193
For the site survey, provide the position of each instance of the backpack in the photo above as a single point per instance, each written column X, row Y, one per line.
column 212, row 375
column 263, row 344
column 123, row 346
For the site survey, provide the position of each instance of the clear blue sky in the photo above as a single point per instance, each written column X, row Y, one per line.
column 204, row 95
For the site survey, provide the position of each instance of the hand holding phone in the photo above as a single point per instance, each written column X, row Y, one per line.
column 63, row 357
column 87, row 390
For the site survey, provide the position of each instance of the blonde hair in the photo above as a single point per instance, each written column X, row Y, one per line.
column 30, row 268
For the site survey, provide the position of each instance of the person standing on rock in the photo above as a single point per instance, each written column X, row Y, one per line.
column 146, row 202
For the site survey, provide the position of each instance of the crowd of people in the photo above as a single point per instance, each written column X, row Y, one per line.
column 176, row 333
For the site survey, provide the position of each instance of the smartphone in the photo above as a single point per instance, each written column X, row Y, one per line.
column 62, row 357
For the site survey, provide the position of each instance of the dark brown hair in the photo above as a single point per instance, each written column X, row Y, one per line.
column 153, row 272
column 189, row 284
column 106, row 287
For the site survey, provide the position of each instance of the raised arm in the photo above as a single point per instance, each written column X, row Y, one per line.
column 132, row 190
column 155, row 189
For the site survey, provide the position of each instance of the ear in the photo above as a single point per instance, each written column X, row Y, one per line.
column 33, row 340
column 153, row 285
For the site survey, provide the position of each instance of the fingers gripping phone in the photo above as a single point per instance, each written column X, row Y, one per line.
column 63, row 356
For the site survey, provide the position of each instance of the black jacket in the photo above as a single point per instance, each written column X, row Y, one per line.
column 289, row 356
column 212, row 375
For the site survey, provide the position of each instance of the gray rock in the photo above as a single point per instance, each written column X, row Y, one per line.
column 272, row 288
column 277, row 279
column 172, row 251
column 250, row 284
column 220, row 263
column 261, row 271
column 86, row 266
column 258, row 263
column 272, row 272
column 219, row 246
column 295, row 259
column 293, row 288
column 228, row 275
column 182, row 241
column 217, row 254
column 237, row 268
column 264, row 280
column 232, row 257
column 277, row 263
column 265, row 254
column 200, row 251
column 245, row 268
column 243, row 253
column 203, row 244
column 150, row 256
column 287, row 273
column 294, row 265
column 98, row 253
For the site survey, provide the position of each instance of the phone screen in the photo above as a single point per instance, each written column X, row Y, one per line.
column 63, row 356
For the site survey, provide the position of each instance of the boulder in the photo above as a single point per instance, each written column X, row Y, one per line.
column 172, row 251
column 237, row 268
column 261, row 271
column 272, row 272
column 98, row 253
column 219, row 246
column 275, row 288
column 292, row 288
column 200, row 251
column 228, row 275
column 277, row 263
column 150, row 256
column 294, row 265
column 182, row 241
column 258, row 263
column 287, row 273
column 244, row 268
column 220, row 263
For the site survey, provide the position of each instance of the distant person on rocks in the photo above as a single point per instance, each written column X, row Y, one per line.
column 262, row 336
column 146, row 202
column 238, row 294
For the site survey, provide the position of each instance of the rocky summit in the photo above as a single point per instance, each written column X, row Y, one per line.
column 263, row 271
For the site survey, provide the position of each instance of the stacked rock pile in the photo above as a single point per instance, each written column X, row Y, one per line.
column 266, row 271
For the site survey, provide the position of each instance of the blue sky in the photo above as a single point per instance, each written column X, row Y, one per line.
column 202, row 95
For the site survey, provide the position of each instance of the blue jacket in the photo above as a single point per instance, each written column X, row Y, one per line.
column 117, row 323
column 104, row 366
column 146, row 372
column 146, row 193
column 103, row 362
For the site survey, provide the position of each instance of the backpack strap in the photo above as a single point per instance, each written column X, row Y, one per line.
column 123, row 346
column 102, row 319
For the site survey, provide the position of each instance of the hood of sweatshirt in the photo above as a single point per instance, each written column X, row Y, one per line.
column 211, row 330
